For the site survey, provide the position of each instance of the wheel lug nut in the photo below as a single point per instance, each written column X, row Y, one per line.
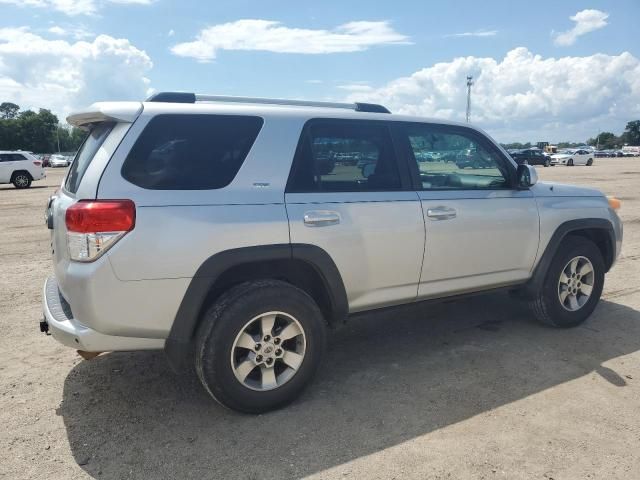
column 269, row 361
column 279, row 351
column 276, row 341
column 258, row 358
column 257, row 346
column 267, row 338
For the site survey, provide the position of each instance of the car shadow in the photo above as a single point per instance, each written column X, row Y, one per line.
column 387, row 377
column 10, row 187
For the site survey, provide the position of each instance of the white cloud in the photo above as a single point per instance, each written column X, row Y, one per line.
column 586, row 21
column 62, row 76
column 522, row 96
column 270, row 36
column 356, row 87
column 72, row 7
column 76, row 32
column 477, row 33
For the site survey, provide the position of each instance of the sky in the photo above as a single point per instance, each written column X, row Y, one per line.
column 543, row 70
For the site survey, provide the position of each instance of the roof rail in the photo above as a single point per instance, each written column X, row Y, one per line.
column 186, row 97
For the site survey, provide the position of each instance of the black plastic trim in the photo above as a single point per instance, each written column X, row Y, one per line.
column 173, row 97
column 178, row 343
column 540, row 272
column 371, row 107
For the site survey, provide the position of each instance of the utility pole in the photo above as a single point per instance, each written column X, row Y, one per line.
column 58, row 135
column 469, row 83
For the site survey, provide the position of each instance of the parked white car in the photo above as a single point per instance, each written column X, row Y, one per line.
column 59, row 161
column 573, row 157
column 20, row 168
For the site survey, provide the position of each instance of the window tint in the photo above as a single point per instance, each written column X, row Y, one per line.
column 455, row 159
column 190, row 152
column 11, row 157
column 345, row 156
column 92, row 143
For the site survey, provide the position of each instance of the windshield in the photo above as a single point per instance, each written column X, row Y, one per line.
column 83, row 158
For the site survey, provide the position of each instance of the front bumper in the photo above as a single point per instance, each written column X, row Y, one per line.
column 59, row 322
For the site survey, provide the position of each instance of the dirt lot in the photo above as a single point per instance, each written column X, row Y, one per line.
column 467, row 389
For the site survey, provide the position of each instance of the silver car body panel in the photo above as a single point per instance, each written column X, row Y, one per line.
column 377, row 243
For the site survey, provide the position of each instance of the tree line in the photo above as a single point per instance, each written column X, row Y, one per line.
column 603, row 141
column 36, row 132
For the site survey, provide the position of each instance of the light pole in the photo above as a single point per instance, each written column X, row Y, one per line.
column 58, row 135
column 469, row 83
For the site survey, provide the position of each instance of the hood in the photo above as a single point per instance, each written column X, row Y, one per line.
column 553, row 189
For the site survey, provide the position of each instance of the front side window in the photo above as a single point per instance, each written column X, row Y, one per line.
column 344, row 156
column 453, row 158
column 190, row 152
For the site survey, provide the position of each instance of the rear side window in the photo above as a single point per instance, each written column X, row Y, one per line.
column 92, row 143
column 190, row 152
column 11, row 157
column 345, row 156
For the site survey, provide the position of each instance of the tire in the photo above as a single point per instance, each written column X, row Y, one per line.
column 221, row 357
column 21, row 180
column 547, row 306
column 547, row 162
column 589, row 162
column 570, row 162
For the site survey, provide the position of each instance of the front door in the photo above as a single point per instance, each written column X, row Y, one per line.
column 481, row 232
column 348, row 195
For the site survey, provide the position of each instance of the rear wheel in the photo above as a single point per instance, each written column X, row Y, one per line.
column 570, row 162
column 589, row 162
column 21, row 180
column 572, row 286
column 547, row 162
column 260, row 345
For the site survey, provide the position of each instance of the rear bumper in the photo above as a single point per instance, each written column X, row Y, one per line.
column 71, row 333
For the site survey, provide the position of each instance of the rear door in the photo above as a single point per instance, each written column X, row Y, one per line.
column 481, row 232
column 348, row 194
column 6, row 167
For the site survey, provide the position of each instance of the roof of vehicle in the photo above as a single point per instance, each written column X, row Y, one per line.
column 129, row 111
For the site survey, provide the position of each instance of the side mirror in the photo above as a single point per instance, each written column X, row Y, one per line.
column 368, row 170
column 526, row 176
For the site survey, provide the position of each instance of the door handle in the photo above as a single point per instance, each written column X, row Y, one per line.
column 321, row 218
column 441, row 213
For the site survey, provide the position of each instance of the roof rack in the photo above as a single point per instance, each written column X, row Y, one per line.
column 186, row 97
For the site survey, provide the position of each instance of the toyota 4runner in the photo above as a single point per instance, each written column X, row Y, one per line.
column 231, row 232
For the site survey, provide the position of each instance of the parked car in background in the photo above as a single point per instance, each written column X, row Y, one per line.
column 532, row 156
column 20, row 168
column 58, row 160
column 573, row 157
column 601, row 154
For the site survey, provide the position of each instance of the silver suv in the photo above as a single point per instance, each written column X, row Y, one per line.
column 231, row 232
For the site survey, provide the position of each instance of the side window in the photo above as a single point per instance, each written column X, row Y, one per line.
column 17, row 157
column 5, row 157
column 452, row 158
column 190, row 152
column 344, row 156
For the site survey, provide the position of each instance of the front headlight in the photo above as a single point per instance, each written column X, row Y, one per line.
column 614, row 203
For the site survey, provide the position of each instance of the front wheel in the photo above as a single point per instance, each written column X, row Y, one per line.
column 589, row 162
column 260, row 345
column 547, row 162
column 570, row 162
column 572, row 286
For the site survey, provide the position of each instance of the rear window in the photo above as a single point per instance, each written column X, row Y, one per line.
column 11, row 157
column 190, row 152
column 92, row 143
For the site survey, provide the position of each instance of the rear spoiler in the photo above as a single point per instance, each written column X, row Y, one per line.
column 106, row 112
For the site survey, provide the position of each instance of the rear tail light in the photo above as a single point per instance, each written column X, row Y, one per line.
column 94, row 226
column 37, row 163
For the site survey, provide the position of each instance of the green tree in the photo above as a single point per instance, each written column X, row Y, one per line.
column 631, row 133
column 8, row 110
column 605, row 141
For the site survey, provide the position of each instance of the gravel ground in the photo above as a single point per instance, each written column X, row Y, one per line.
column 465, row 389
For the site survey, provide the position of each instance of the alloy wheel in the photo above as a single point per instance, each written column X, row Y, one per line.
column 576, row 283
column 268, row 351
